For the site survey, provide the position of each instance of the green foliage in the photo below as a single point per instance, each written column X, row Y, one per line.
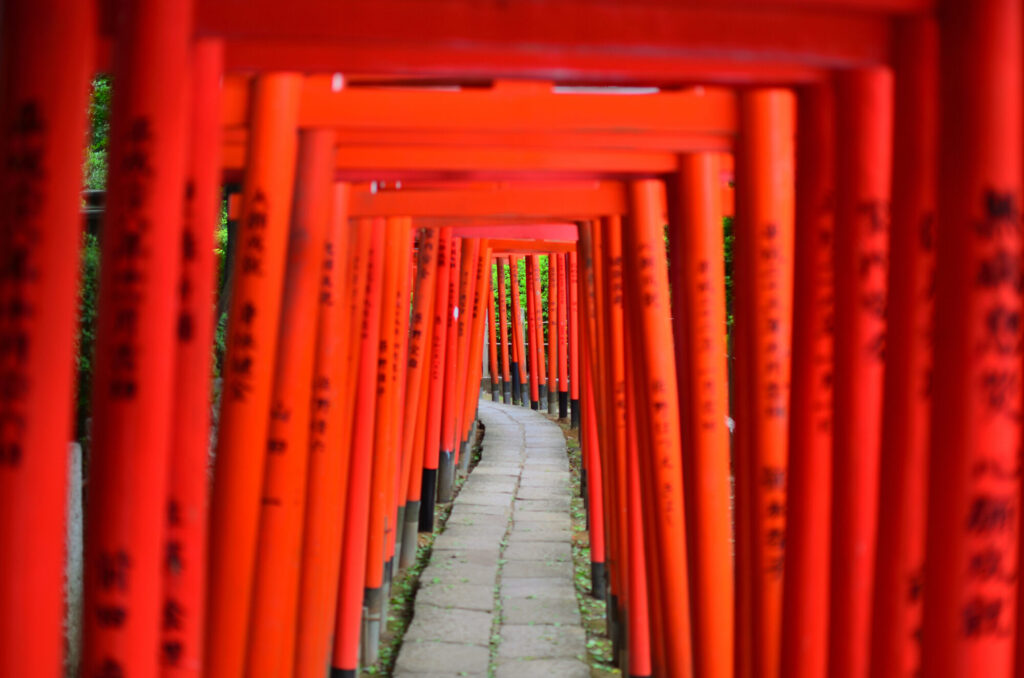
column 94, row 171
column 89, row 272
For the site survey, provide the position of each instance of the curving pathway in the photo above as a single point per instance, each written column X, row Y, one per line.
column 497, row 598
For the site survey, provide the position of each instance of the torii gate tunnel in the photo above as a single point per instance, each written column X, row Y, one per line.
column 803, row 461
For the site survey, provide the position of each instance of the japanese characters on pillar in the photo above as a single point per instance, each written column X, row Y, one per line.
column 863, row 185
column 809, row 486
column 135, row 343
column 973, row 538
column 47, row 57
column 764, row 270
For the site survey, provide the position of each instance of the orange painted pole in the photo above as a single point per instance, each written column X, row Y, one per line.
column 471, row 398
column 492, row 349
column 532, row 334
column 47, row 58
column 899, row 563
column 863, row 177
column 639, row 626
column 467, row 308
column 538, row 310
column 447, row 262
column 563, row 337
column 520, row 395
column 383, row 449
column 552, row 325
column 399, row 375
column 614, row 393
column 345, row 660
column 647, row 283
column 455, row 374
column 446, row 443
column 252, row 347
column 971, row 625
column 327, row 471
column 595, row 502
column 698, row 275
column 764, row 261
column 574, row 341
column 272, row 621
column 181, row 649
column 134, row 378
column 506, row 344
column 805, row 597
column 418, row 361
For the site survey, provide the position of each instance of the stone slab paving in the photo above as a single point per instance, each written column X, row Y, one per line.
column 498, row 598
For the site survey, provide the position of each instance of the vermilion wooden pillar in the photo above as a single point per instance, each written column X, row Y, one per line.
column 863, row 176
column 506, row 344
column 447, row 250
column 272, row 622
column 48, row 50
column 520, row 395
column 492, row 349
column 467, row 308
column 809, row 482
column 328, row 468
column 971, row 585
column 698, row 303
column 574, row 341
column 563, row 336
column 764, row 287
column 471, row 393
column 396, row 267
column 419, row 351
column 534, row 334
column 647, row 284
column 187, row 507
column 344, row 662
column 249, row 364
column 899, row 565
column 132, row 424
column 552, row 324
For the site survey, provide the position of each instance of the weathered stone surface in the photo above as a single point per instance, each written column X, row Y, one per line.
column 457, row 594
column 490, row 521
column 559, row 504
column 536, row 668
column 453, row 572
column 515, row 569
column 488, row 557
column 441, row 659
column 541, row 642
column 534, row 587
column 520, row 535
column 556, row 491
column 430, row 622
column 540, row 610
column 484, row 499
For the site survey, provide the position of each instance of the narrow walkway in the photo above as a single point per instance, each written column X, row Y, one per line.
column 498, row 597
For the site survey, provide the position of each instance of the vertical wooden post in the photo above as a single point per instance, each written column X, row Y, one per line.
column 563, row 337
column 328, row 469
column 506, row 378
column 357, row 505
column 574, row 341
column 135, row 342
column 47, row 59
column 971, row 587
column 896, row 609
column 272, row 621
column 696, row 245
column 764, row 276
column 249, row 364
column 443, row 311
column 420, row 335
column 518, row 337
column 181, row 651
column 863, row 177
column 809, row 475
column 552, row 324
column 535, row 337
column 492, row 348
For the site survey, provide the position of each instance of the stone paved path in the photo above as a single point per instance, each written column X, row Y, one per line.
column 498, row 594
